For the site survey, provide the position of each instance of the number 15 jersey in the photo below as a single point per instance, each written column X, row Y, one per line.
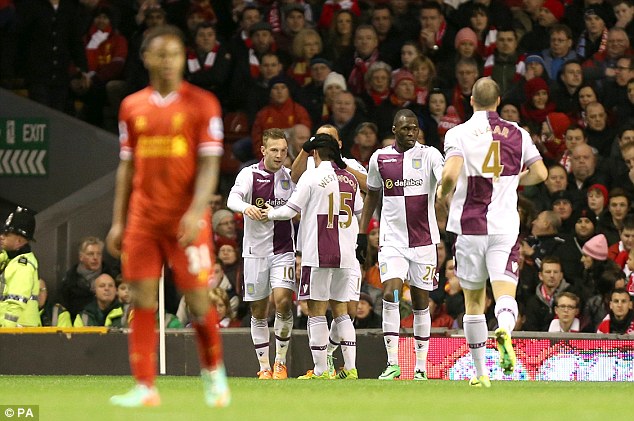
column 494, row 152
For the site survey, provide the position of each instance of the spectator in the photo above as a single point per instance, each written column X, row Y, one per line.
column 597, row 199
column 624, row 12
column 575, row 13
column 297, row 136
column 595, row 263
column 466, row 46
column 539, row 307
column 620, row 319
column 209, row 61
column 340, row 38
column 424, row 73
column 77, row 288
column 366, row 141
column 548, row 15
column 619, row 251
column 436, row 36
column 104, row 309
column 583, row 170
column 510, row 111
column 505, row 65
column 330, row 7
column 50, row 40
column 560, row 50
column 312, row 95
column 621, row 166
column 293, row 21
column 224, row 226
column 562, row 204
column 282, row 112
column 402, row 96
column 611, row 221
column 497, row 10
column 538, row 104
column 597, row 306
column 390, row 39
column 553, row 143
column 366, row 318
column 615, row 91
column 544, row 239
column 603, row 64
column 219, row 279
column 565, row 90
column 333, row 85
column 345, row 118
column 466, row 76
column 587, row 95
column 600, row 134
column 573, row 136
column 366, row 53
column 566, row 310
column 106, row 52
column 594, row 38
column 18, row 271
column 306, row 45
column 220, row 300
column 377, row 81
column 409, row 52
column 585, row 227
column 543, row 194
column 259, row 90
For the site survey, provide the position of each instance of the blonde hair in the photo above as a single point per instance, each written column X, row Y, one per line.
column 301, row 37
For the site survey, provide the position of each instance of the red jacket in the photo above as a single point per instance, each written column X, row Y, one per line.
column 272, row 116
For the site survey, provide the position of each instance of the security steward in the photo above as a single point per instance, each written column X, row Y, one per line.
column 19, row 282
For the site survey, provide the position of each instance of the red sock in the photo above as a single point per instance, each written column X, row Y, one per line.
column 209, row 342
column 142, row 346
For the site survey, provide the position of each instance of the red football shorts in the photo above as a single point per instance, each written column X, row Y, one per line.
column 144, row 254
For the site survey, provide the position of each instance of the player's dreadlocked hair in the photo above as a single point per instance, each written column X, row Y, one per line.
column 327, row 147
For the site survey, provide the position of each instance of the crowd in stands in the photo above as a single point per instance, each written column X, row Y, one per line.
column 566, row 73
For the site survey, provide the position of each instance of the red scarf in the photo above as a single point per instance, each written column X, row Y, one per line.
column 193, row 64
column 530, row 113
column 300, row 72
column 399, row 103
column 441, row 33
column 378, row 97
column 94, row 41
column 421, row 95
column 356, row 84
column 456, row 101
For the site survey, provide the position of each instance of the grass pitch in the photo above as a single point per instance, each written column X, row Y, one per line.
column 67, row 398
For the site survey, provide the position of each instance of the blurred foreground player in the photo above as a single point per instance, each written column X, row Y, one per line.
column 484, row 161
column 171, row 141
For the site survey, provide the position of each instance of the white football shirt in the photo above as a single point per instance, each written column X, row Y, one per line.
column 330, row 203
column 494, row 151
column 409, row 180
column 257, row 186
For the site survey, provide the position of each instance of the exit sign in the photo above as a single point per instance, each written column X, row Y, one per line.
column 24, row 146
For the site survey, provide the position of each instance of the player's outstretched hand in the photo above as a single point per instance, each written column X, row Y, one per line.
column 362, row 247
column 113, row 241
column 253, row 212
column 189, row 227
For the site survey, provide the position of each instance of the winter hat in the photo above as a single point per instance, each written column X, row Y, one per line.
column 366, row 297
column 561, row 195
column 218, row 216
column 599, row 11
column 603, row 190
column 535, row 84
column 596, row 247
column 555, row 7
column 558, row 123
column 585, row 212
column 259, row 26
column 401, row 75
column 466, row 35
column 321, row 60
column 335, row 78
column 448, row 121
column 534, row 58
column 373, row 224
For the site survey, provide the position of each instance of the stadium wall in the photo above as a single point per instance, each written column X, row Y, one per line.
column 541, row 356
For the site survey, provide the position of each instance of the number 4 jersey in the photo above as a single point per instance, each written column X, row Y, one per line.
column 494, row 151
column 329, row 200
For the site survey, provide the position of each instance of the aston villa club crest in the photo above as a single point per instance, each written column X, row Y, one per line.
column 286, row 184
column 251, row 288
column 383, row 268
column 417, row 163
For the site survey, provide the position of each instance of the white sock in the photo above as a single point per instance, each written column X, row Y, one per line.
column 260, row 336
column 476, row 333
column 283, row 326
column 391, row 324
column 422, row 330
column 318, row 328
column 333, row 339
column 348, row 340
column 506, row 312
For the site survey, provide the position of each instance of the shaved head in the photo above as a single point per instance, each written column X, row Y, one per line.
column 485, row 93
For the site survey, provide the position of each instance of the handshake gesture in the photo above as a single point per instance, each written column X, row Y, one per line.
column 258, row 214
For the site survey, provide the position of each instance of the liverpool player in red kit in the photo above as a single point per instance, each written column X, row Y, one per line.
column 171, row 138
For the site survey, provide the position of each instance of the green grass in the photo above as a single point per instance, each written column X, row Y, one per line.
column 67, row 398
